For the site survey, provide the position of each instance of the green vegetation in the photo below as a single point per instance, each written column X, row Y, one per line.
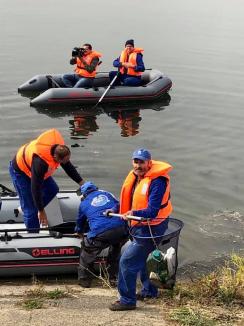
column 36, row 298
column 224, row 286
column 186, row 316
column 57, row 294
column 39, row 292
column 30, row 304
column 214, row 299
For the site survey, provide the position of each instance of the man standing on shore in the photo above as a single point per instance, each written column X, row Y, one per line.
column 145, row 193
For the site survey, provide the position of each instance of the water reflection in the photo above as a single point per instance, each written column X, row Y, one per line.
column 84, row 120
column 127, row 120
column 83, row 125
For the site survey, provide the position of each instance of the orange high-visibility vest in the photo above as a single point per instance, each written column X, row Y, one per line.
column 80, row 67
column 141, row 193
column 130, row 59
column 42, row 147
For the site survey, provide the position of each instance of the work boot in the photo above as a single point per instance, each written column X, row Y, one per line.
column 85, row 282
column 118, row 306
column 141, row 297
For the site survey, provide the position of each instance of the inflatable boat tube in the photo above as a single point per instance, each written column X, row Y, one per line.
column 10, row 211
column 54, row 252
column 53, row 92
column 23, row 253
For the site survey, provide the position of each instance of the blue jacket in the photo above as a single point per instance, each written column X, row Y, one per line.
column 91, row 210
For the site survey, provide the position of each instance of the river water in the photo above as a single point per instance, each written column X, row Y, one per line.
column 198, row 129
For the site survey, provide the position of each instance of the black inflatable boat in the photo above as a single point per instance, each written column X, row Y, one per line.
column 53, row 92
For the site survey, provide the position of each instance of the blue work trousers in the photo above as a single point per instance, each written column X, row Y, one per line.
column 125, row 80
column 22, row 184
column 133, row 263
column 77, row 81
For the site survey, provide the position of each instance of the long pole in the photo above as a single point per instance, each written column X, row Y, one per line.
column 130, row 217
column 108, row 88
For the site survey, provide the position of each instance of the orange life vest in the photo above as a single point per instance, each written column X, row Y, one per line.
column 80, row 67
column 42, row 147
column 141, row 193
column 130, row 59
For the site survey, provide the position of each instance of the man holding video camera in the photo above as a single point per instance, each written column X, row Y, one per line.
column 86, row 61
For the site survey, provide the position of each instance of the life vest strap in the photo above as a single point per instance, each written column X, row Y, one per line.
column 27, row 165
column 80, row 67
column 165, row 204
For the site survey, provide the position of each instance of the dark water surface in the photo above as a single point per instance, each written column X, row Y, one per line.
column 199, row 45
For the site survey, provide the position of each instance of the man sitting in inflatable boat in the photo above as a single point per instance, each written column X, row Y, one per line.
column 86, row 61
column 130, row 64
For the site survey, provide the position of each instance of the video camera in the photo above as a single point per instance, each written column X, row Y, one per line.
column 78, row 52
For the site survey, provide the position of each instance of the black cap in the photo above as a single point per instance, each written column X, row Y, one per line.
column 129, row 42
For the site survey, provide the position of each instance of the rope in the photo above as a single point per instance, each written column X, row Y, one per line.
column 150, row 230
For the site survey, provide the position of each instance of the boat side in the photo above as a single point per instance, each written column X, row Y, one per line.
column 40, row 83
column 23, row 253
column 10, row 211
column 73, row 96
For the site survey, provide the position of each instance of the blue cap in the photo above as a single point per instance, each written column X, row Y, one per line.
column 141, row 154
column 87, row 187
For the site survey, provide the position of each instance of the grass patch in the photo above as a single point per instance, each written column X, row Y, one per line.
column 186, row 316
column 36, row 298
column 40, row 292
column 30, row 304
column 220, row 295
column 57, row 294
column 225, row 285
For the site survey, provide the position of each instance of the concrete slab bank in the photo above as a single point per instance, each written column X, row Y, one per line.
column 79, row 307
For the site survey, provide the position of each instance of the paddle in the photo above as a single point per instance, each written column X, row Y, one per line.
column 108, row 88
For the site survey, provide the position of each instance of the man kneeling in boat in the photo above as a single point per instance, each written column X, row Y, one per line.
column 130, row 66
column 104, row 232
column 87, row 61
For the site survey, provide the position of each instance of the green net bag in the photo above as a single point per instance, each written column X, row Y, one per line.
column 161, row 267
